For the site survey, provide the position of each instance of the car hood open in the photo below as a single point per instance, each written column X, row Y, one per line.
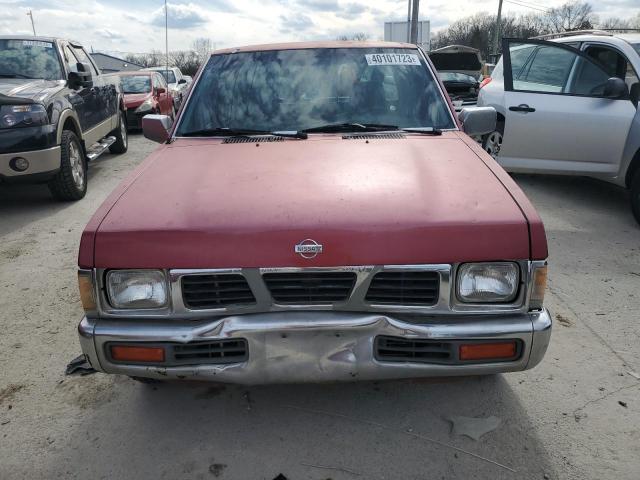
column 202, row 203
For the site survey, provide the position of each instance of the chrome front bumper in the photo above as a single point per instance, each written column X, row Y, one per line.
column 292, row 347
column 40, row 161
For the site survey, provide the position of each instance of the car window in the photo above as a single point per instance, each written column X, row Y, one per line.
column 136, row 83
column 84, row 58
column 548, row 70
column 29, row 59
column 168, row 75
column 301, row 89
column 159, row 80
column 613, row 62
column 556, row 69
column 519, row 57
column 70, row 59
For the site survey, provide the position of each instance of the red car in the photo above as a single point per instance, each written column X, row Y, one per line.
column 316, row 213
column 145, row 93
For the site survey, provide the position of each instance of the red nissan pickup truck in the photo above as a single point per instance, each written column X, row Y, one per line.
column 316, row 212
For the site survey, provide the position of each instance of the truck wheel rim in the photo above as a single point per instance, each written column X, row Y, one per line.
column 493, row 144
column 77, row 167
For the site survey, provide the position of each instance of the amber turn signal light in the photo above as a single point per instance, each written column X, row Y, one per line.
column 85, row 284
column 539, row 286
column 131, row 353
column 488, row 351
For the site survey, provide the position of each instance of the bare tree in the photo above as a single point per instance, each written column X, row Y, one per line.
column 614, row 23
column 203, row 48
column 570, row 16
column 357, row 37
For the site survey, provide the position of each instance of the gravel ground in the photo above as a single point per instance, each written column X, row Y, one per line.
column 576, row 416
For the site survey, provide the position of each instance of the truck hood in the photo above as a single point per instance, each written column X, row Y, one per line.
column 37, row 90
column 201, row 203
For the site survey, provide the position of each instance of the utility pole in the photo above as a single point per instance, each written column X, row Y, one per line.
column 30, row 14
column 409, row 21
column 415, row 12
column 166, row 36
column 496, row 35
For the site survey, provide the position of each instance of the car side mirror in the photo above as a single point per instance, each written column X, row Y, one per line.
column 160, row 90
column 478, row 120
column 182, row 81
column 615, row 88
column 83, row 77
column 156, row 127
column 634, row 94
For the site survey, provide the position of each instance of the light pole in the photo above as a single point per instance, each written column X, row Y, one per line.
column 30, row 14
column 409, row 21
column 166, row 37
column 414, row 21
column 496, row 35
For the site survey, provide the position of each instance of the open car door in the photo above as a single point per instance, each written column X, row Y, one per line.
column 563, row 112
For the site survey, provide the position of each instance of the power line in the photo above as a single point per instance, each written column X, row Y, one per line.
column 520, row 4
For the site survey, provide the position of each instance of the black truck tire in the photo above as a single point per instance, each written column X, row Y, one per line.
column 122, row 139
column 70, row 183
column 635, row 195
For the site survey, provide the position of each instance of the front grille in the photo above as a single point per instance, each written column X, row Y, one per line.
column 216, row 291
column 310, row 287
column 397, row 349
column 404, row 288
column 374, row 136
column 221, row 351
column 253, row 139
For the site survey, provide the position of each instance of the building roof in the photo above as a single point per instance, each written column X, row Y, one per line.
column 93, row 54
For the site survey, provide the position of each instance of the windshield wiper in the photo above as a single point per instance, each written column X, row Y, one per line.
column 423, row 130
column 350, row 127
column 15, row 75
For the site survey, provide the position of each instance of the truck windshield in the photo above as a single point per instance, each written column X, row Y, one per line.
column 308, row 88
column 29, row 59
column 136, row 84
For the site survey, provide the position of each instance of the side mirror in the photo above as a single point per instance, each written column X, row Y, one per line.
column 160, row 90
column 615, row 88
column 182, row 81
column 83, row 77
column 478, row 120
column 156, row 127
column 634, row 94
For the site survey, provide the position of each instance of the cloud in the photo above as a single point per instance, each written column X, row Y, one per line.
column 319, row 5
column 181, row 15
column 352, row 10
column 298, row 24
column 109, row 34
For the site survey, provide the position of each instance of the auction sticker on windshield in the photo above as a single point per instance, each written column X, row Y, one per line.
column 392, row 59
column 36, row 43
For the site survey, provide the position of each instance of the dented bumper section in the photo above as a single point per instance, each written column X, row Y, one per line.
column 294, row 347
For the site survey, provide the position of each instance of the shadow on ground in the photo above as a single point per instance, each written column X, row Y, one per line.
column 371, row 430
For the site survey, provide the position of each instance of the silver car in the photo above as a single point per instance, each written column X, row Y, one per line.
column 568, row 106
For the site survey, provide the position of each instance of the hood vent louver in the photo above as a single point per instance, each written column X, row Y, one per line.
column 375, row 136
column 253, row 139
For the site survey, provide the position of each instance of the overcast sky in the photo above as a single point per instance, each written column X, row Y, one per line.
column 138, row 25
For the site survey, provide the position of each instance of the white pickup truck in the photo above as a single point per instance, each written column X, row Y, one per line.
column 176, row 81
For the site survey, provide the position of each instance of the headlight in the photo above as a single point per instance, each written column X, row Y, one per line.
column 14, row 116
column 145, row 106
column 488, row 282
column 137, row 289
